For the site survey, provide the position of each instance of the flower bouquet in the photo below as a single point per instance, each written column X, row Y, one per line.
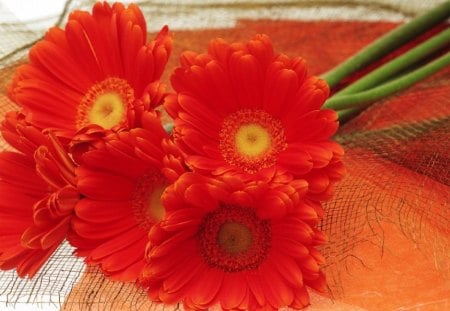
column 206, row 193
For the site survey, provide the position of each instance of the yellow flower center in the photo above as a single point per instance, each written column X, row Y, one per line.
column 107, row 111
column 106, row 104
column 251, row 140
column 155, row 208
column 147, row 206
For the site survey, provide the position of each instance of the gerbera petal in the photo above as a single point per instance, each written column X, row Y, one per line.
column 44, row 100
column 203, row 162
column 219, row 49
column 34, row 261
column 310, row 268
column 261, row 47
column 161, row 56
column 99, row 39
column 198, row 195
column 221, row 85
column 298, row 231
column 320, row 156
column 132, row 40
column 318, row 181
column 287, row 268
column 192, row 269
column 282, row 294
column 242, row 198
column 91, row 230
column 312, row 95
column 294, row 159
column 207, row 286
column 108, row 51
column 56, row 62
column 315, row 126
column 125, row 257
column 200, row 116
column 56, row 234
column 102, row 211
column 254, row 283
column 83, row 52
column 118, row 243
column 247, row 77
column 318, row 284
column 113, row 160
column 17, row 200
column 176, row 240
column 18, row 170
column 160, row 268
column 104, row 186
column 196, row 140
column 279, row 89
column 301, row 299
column 129, row 274
column 233, row 291
column 57, row 36
column 273, row 207
column 9, row 240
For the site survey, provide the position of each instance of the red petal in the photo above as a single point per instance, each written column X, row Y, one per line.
column 207, row 286
column 118, row 243
column 102, row 211
column 295, row 160
column 233, row 291
column 279, row 90
column 247, row 77
column 104, row 186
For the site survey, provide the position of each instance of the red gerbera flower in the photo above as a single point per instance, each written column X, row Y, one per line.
column 98, row 70
column 222, row 243
column 242, row 109
column 37, row 197
column 121, row 182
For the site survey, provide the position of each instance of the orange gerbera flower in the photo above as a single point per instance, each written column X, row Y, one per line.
column 242, row 109
column 37, row 197
column 121, row 182
column 98, row 70
column 219, row 244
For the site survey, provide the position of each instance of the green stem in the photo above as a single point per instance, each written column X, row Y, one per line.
column 348, row 114
column 365, row 98
column 402, row 62
column 388, row 43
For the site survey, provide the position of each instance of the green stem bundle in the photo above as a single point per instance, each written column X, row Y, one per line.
column 365, row 98
column 388, row 43
column 392, row 68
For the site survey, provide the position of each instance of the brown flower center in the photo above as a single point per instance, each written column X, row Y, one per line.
column 233, row 238
column 106, row 104
column 251, row 139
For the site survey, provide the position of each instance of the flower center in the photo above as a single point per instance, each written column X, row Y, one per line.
column 105, row 104
column 147, row 206
column 232, row 238
column 251, row 139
